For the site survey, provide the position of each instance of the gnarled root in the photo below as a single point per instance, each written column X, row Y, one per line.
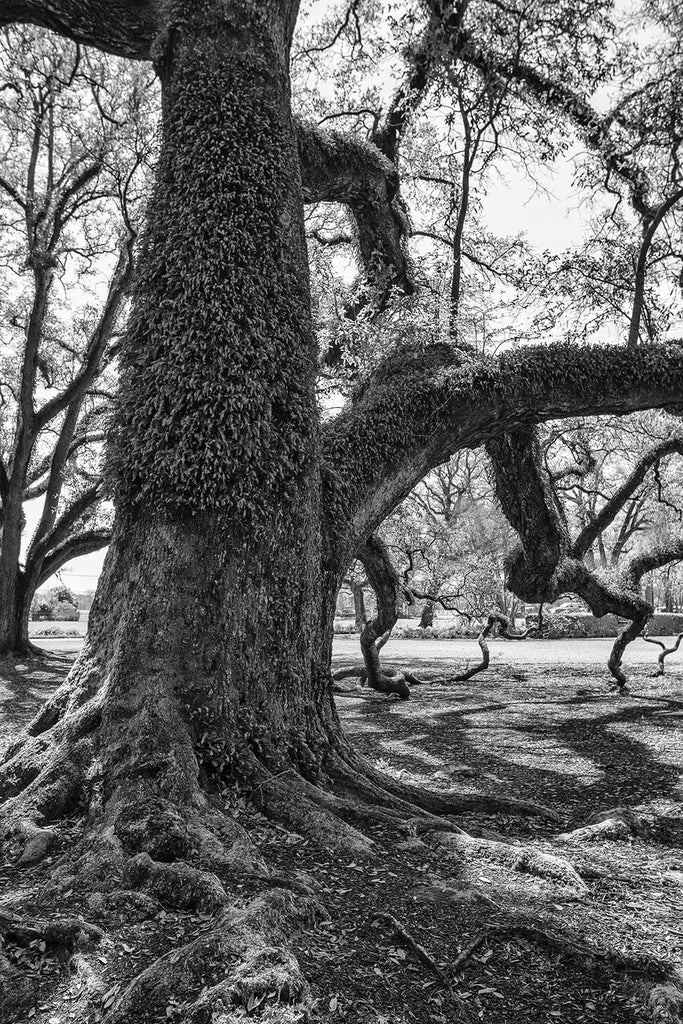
column 358, row 770
column 62, row 936
column 618, row 823
column 241, row 960
column 517, row 858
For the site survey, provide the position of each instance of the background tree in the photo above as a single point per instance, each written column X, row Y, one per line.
column 75, row 138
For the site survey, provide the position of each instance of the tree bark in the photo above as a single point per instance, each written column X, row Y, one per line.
column 360, row 615
column 15, row 607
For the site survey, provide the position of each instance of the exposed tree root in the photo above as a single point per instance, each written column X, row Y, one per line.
column 240, row 963
column 441, row 802
column 531, row 933
column 517, row 858
column 666, row 651
column 618, row 823
column 65, row 932
column 665, row 1001
column 61, row 936
column 156, row 835
column 359, row 672
column 289, row 799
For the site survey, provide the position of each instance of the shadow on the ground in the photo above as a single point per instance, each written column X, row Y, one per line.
column 25, row 682
column 560, row 738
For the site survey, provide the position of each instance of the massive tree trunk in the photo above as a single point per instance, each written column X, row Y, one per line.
column 202, row 667
column 206, row 632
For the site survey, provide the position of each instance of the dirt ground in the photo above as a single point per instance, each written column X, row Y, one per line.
column 548, row 950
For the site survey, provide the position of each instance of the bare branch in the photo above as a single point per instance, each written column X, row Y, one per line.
column 613, row 505
column 641, row 267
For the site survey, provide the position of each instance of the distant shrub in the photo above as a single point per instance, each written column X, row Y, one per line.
column 665, row 624
column 56, row 631
column 343, row 627
column 65, row 612
column 581, row 625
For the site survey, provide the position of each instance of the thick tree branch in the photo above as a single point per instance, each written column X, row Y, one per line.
column 40, row 547
column 39, row 478
column 543, row 567
column 336, row 168
column 423, row 404
column 82, row 544
column 655, row 555
column 384, row 581
column 126, row 28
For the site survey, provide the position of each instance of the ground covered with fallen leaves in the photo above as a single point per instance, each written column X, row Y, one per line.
column 417, row 935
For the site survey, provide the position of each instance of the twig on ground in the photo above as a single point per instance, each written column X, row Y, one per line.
column 404, row 936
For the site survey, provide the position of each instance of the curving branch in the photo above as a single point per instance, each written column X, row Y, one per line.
column 85, row 543
column 423, row 59
column 665, row 652
column 384, row 580
column 641, row 265
column 126, row 28
column 42, row 544
column 424, row 404
column 336, row 168
column 98, row 341
column 493, row 622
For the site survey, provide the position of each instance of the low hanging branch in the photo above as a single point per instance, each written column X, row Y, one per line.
column 496, row 623
column 494, row 620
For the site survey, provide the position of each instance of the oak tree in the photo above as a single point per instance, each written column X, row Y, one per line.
column 238, row 512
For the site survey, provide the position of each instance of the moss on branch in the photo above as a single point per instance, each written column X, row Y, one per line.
column 423, row 403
